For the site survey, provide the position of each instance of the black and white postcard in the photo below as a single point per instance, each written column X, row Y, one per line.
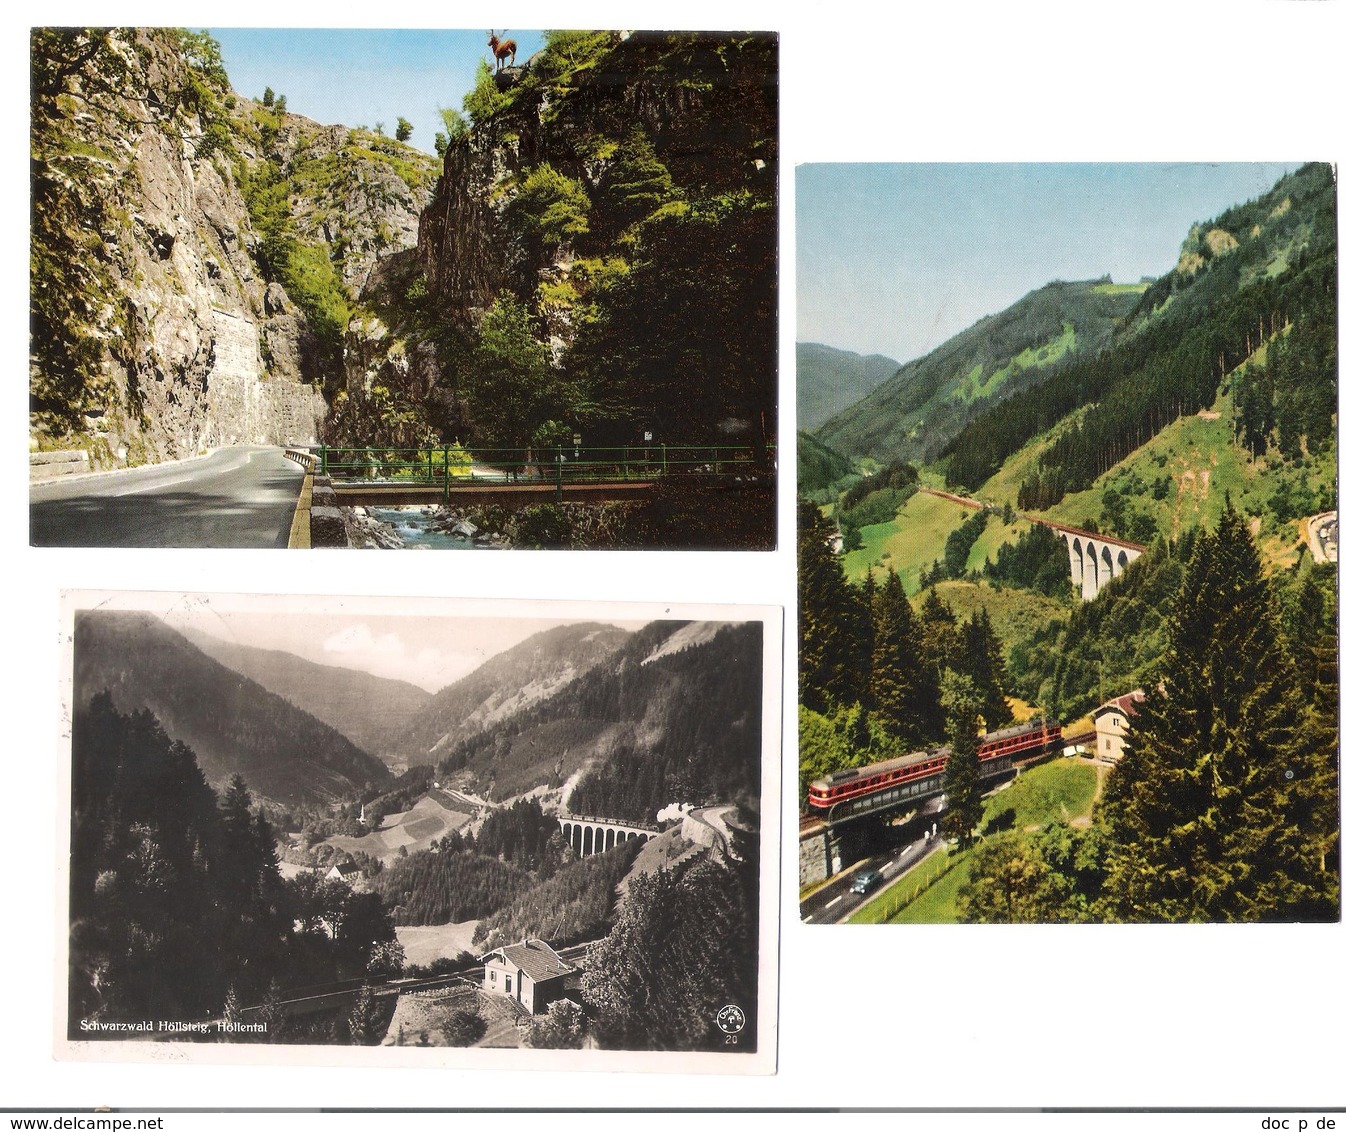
column 431, row 831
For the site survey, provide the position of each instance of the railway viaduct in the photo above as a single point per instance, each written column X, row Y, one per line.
column 590, row 835
column 1095, row 559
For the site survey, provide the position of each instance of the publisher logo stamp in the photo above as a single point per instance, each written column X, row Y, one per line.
column 730, row 1019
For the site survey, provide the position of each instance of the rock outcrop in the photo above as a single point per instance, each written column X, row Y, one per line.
column 156, row 331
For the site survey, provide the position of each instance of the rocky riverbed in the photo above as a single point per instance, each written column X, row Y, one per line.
column 428, row 527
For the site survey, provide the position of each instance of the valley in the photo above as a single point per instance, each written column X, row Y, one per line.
column 1032, row 523
column 461, row 838
column 212, row 270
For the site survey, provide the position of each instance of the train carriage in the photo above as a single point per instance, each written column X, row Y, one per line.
column 901, row 777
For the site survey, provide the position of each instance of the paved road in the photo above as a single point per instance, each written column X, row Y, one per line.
column 235, row 497
column 834, row 902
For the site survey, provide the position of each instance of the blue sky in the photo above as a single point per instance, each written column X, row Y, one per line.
column 355, row 77
column 895, row 259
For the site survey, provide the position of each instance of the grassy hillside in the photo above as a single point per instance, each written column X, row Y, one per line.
column 915, row 537
column 913, row 414
column 1015, row 614
column 1181, row 477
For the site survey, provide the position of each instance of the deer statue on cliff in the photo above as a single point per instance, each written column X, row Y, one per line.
column 502, row 48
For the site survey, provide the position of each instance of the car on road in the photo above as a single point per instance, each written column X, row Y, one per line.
column 866, row 879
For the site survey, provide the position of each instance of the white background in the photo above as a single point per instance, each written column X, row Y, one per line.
column 1199, row 1016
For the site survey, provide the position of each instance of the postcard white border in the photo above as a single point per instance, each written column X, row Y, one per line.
column 760, row 1061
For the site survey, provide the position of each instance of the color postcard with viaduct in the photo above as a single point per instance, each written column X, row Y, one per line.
column 1068, row 569
column 427, row 832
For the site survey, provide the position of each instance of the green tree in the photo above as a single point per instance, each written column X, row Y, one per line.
column 484, row 99
column 561, row 1026
column 403, row 132
column 1218, row 810
column 902, row 687
column 636, row 184
column 962, row 773
column 553, row 206
column 455, row 125
column 268, row 98
column 1010, row 882
column 980, row 657
column 511, row 388
column 831, row 621
column 939, row 632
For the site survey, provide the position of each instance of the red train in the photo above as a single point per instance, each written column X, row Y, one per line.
column 895, row 777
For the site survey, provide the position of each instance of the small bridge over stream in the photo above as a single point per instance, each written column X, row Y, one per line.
column 518, row 477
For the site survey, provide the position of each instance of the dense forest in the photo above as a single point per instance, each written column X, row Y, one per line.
column 1226, row 806
column 691, row 934
column 1256, row 271
column 877, row 678
column 572, row 905
column 913, row 415
column 455, row 884
column 665, row 753
column 176, row 901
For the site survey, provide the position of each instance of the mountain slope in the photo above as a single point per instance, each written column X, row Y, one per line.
column 1262, row 274
column 507, row 683
column 913, row 414
column 673, row 716
column 234, row 725
column 818, row 465
column 828, row 380
column 369, row 710
column 193, row 252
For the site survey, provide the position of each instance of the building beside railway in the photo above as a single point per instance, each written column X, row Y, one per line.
column 530, row 973
column 1112, row 722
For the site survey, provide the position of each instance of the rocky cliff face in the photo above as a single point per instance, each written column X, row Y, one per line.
column 156, row 331
column 575, row 167
column 706, row 106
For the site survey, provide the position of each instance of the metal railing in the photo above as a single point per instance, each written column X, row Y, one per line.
column 451, row 466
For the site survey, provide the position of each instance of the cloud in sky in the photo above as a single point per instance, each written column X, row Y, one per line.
column 389, row 655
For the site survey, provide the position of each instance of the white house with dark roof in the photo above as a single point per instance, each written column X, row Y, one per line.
column 1112, row 722
column 348, row 871
column 530, row 973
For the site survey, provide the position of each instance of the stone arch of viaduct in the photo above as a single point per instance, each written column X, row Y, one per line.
column 1095, row 559
column 587, row 835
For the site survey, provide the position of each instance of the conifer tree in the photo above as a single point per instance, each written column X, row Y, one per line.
column 832, row 622
column 981, row 658
column 962, row 777
column 939, row 631
column 902, row 688
column 1212, row 811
